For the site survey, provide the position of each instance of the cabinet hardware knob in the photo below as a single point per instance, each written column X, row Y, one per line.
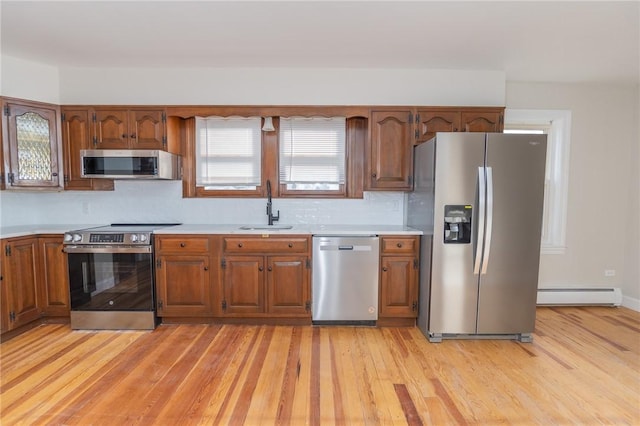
column 290, row 245
column 124, row 136
column 240, row 245
column 270, row 269
column 133, row 135
column 206, row 268
column 399, row 245
column 384, row 269
column 373, row 175
column 182, row 244
column 260, row 268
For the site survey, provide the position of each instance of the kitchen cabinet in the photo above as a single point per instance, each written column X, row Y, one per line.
column 429, row 121
column 183, row 276
column 77, row 130
column 390, row 151
column 399, row 262
column 394, row 132
column 125, row 128
column 54, row 282
column 20, row 275
column 31, row 144
column 266, row 277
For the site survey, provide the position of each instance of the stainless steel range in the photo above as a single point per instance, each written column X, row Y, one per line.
column 111, row 277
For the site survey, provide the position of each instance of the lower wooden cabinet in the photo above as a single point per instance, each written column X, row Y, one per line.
column 183, row 276
column 54, row 283
column 20, row 274
column 399, row 269
column 271, row 280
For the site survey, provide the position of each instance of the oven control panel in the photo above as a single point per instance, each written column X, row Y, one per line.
column 106, row 238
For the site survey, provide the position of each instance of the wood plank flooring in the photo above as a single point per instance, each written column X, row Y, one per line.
column 582, row 368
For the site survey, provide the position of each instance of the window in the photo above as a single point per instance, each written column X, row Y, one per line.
column 228, row 153
column 557, row 125
column 312, row 155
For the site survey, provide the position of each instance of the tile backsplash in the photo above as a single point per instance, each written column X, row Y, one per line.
column 161, row 201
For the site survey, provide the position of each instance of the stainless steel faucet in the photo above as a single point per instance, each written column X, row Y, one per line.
column 270, row 215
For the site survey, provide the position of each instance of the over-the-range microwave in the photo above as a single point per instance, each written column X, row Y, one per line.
column 129, row 164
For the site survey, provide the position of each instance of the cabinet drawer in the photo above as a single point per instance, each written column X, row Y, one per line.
column 182, row 244
column 399, row 245
column 266, row 245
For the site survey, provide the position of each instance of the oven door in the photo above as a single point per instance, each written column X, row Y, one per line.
column 111, row 278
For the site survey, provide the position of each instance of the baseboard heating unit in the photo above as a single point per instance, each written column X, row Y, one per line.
column 580, row 296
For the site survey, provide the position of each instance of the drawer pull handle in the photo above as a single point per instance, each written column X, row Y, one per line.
column 399, row 245
column 290, row 245
column 206, row 268
column 384, row 269
column 182, row 244
column 240, row 245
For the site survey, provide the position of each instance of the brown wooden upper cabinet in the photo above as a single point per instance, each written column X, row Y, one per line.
column 126, row 128
column 389, row 162
column 32, row 155
column 429, row 121
column 77, row 129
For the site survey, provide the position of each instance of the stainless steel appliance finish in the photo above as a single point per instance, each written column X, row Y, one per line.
column 111, row 277
column 345, row 280
column 129, row 164
column 479, row 199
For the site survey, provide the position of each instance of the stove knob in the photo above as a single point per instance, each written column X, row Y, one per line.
column 68, row 238
column 77, row 238
column 134, row 238
column 143, row 238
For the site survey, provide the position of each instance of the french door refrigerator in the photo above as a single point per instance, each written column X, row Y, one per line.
column 478, row 198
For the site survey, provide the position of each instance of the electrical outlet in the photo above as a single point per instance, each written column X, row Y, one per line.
column 609, row 272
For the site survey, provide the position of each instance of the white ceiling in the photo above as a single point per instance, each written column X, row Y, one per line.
column 529, row 41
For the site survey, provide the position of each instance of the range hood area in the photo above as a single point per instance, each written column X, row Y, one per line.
column 129, row 164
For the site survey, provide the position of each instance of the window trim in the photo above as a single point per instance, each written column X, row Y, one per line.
column 558, row 151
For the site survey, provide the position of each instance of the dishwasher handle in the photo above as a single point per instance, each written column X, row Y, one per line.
column 345, row 247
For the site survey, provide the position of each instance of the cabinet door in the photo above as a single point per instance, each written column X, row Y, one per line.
column 243, row 285
column 77, row 135
column 398, row 287
column 33, row 146
column 111, row 129
column 183, row 286
column 147, row 129
column 430, row 122
column 21, row 279
column 390, row 159
column 4, row 294
column 481, row 121
column 288, row 285
column 54, row 289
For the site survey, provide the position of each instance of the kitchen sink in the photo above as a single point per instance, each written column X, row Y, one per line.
column 265, row 227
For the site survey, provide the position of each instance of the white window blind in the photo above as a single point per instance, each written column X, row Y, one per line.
column 312, row 152
column 228, row 152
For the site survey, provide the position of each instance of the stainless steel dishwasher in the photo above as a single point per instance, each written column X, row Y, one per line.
column 345, row 280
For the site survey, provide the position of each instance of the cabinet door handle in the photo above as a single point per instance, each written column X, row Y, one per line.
column 269, row 269
column 206, row 268
column 399, row 245
column 133, row 136
column 260, row 268
column 290, row 245
column 240, row 245
column 124, row 136
column 384, row 269
column 373, row 175
column 182, row 244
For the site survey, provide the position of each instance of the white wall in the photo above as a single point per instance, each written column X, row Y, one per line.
column 602, row 223
column 290, row 86
column 29, row 80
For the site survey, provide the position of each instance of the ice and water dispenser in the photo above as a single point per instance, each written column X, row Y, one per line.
column 457, row 224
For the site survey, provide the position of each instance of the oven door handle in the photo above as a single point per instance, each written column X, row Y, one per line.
column 107, row 250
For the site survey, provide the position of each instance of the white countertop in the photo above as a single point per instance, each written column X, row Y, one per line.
column 326, row 230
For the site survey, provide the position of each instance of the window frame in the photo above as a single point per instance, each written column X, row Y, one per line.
column 341, row 192
column 558, row 152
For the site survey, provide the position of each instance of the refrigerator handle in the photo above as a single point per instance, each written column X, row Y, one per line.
column 487, row 242
column 482, row 196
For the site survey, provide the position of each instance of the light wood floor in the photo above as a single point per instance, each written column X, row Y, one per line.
column 582, row 368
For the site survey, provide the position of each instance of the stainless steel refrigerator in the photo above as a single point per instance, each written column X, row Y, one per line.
column 478, row 198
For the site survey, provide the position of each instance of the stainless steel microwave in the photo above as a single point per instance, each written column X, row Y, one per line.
column 129, row 164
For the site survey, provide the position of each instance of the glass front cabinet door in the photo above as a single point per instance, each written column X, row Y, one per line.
column 31, row 144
